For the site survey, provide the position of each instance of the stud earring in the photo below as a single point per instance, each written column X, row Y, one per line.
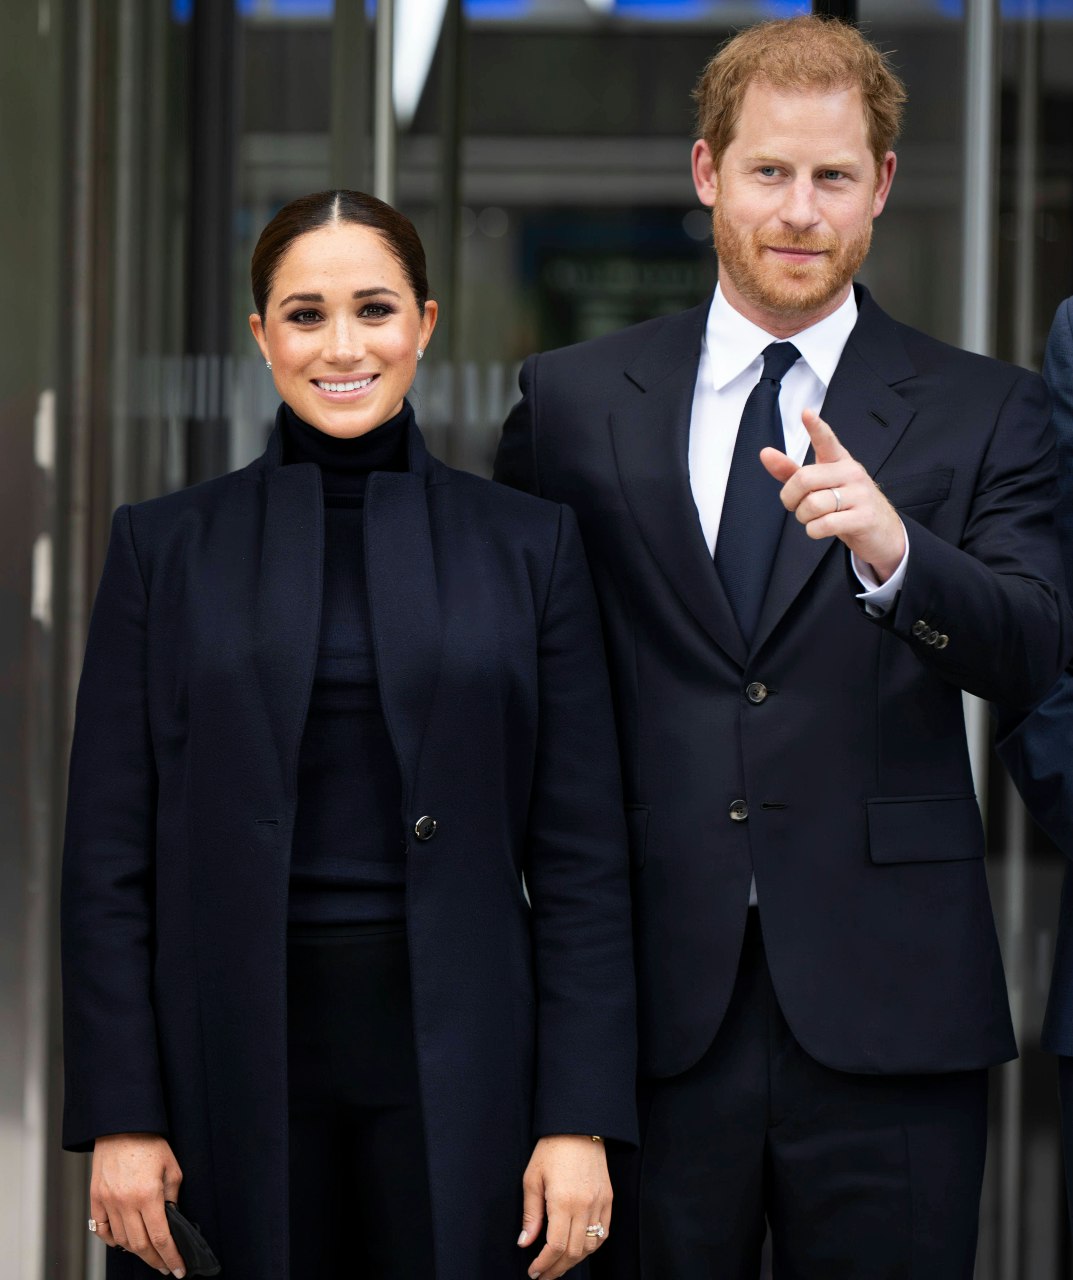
column 420, row 352
column 268, row 364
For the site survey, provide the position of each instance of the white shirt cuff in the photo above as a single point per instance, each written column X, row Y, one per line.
column 876, row 597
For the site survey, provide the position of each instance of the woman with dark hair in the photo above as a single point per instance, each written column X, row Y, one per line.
column 345, row 908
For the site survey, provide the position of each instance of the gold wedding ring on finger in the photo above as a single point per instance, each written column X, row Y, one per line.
column 838, row 501
column 595, row 1230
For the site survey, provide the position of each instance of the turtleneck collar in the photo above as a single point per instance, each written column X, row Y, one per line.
column 346, row 463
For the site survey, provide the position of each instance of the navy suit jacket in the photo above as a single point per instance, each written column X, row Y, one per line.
column 841, row 735
column 191, row 709
column 1038, row 749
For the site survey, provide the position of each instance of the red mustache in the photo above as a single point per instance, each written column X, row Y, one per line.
column 802, row 244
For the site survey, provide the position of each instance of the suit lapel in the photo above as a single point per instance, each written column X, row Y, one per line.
column 869, row 417
column 650, row 438
column 403, row 607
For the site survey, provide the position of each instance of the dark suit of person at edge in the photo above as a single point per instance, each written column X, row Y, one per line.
column 790, row 716
column 334, row 707
column 1037, row 748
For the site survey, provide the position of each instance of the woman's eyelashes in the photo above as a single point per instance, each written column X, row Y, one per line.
column 368, row 311
column 376, row 311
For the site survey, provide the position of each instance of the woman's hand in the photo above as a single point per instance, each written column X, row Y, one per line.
column 133, row 1174
column 568, row 1173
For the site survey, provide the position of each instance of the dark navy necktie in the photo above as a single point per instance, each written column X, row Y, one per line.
column 752, row 517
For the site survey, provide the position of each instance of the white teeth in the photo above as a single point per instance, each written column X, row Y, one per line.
column 343, row 386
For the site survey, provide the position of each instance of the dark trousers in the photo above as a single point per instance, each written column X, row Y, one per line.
column 858, row 1177
column 358, row 1174
column 1065, row 1099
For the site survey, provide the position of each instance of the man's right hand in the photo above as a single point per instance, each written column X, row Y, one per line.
column 133, row 1175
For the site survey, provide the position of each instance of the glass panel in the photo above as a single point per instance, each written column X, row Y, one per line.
column 914, row 267
column 578, row 213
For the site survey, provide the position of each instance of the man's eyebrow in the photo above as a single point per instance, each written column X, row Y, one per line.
column 836, row 162
column 319, row 297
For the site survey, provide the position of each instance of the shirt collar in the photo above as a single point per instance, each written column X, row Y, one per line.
column 734, row 343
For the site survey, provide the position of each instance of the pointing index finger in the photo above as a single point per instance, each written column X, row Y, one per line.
column 825, row 444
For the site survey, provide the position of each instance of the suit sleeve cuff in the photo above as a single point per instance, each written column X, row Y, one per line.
column 877, row 597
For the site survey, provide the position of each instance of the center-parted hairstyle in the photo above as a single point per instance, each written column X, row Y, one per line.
column 798, row 54
column 328, row 208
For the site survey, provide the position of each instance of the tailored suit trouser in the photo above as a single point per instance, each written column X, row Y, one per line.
column 1065, row 1098
column 857, row 1177
column 358, row 1174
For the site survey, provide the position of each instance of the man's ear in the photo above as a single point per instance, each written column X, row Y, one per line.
column 884, row 180
column 705, row 175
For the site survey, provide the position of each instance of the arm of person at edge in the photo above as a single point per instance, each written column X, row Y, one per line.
column 106, row 905
column 576, row 872
column 1034, row 744
column 999, row 582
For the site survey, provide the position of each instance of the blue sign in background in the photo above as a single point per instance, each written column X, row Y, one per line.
column 1015, row 8
column 658, row 10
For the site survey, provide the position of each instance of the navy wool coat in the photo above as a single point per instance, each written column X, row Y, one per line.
column 191, row 708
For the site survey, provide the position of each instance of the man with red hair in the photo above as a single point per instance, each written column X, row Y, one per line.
column 811, row 527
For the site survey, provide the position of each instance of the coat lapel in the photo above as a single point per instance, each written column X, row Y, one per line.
column 650, row 438
column 287, row 621
column 869, row 417
column 403, row 602
column 401, row 585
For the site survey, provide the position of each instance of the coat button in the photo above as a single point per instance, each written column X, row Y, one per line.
column 942, row 642
column 932, row 638
column 756, row 692
column 425, row 828
column 739, row 811
column 920, row 627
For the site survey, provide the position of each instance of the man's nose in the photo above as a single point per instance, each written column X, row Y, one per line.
column 799, row 208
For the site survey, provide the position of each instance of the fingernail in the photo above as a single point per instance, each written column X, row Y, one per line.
column 178, row 1273
column 524, row 1238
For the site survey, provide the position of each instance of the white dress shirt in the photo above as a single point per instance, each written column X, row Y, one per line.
column 731, row 361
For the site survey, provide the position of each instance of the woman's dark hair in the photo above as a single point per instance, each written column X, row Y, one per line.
column 323, row 208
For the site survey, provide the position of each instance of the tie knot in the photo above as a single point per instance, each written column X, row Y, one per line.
column 778, row 359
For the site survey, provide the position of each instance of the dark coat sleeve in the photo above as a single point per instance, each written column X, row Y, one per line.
column 576, row 872
column 1037, row 748
column 516, row 463
column 112, row 1072
column 994, row 596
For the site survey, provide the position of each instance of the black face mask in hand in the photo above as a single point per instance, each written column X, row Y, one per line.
column 197, row 1255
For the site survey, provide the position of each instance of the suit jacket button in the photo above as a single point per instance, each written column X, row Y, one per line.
column 739, row 811
column 932, row 638
column 756, row 692
column 920, row 627
column 425, row 828
column 942, row 642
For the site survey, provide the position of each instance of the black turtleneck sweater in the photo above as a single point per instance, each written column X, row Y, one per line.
column 348, row 859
